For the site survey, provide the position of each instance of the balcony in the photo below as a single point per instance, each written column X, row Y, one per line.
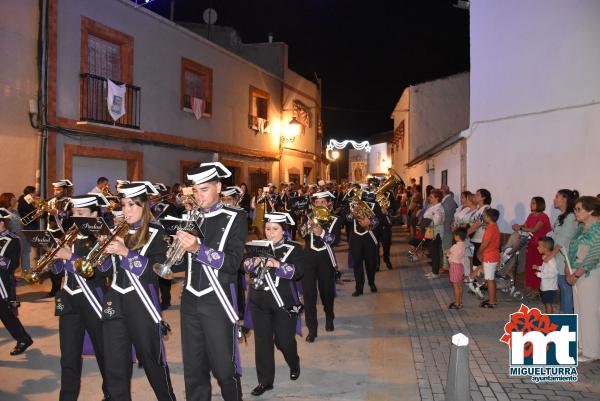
column 94, row 109
column 261, row 127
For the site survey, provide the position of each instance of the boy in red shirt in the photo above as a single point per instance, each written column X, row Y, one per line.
column 489, row 254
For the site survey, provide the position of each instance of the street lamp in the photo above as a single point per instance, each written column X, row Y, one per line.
column 335, row 156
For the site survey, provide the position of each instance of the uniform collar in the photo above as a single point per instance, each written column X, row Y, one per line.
column 4, row 233
column 214, row 207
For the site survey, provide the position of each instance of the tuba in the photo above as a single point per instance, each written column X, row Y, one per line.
column 45, row 262
column 175, row 251
column 319, row 215
column 391, row 181
column 359, row 207
column 85, row 267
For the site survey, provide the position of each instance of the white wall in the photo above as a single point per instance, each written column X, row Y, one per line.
column 438, row 110
column 87, row 170
column 378, row 159
column 535, row 69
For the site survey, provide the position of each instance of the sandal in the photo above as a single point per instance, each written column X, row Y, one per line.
column 486, row 304
column 454, row 306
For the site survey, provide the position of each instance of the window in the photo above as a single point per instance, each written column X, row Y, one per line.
column 104, row 58
column 196, row 85
column 306, row 177
column 258, row 109
column 445, row 177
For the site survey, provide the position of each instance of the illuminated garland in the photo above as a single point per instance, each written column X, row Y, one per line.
column 364, row 145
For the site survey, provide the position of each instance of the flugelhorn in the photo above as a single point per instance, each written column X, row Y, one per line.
column 34, row 276
column 175, row 251
column 97, row 256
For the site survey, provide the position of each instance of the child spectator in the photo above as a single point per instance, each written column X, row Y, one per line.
column 456, row 255
column 548, row 272
column 489, row 254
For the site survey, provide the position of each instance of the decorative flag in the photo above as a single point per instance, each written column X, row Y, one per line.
column 300, row 111
column 261, row 124
column 197, row 107
column 116, row 100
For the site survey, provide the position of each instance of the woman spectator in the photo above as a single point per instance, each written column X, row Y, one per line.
column 416, row 203
column 435, row 213
column 462, row 219
column 584, row 256
column 8, row 201
column 483, row 200
column 562, row 233
column 538, row 224
column 259, row 212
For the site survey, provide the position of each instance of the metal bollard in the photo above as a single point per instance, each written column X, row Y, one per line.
column 457, row 385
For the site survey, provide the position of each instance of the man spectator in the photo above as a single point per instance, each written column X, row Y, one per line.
column 101, row 183
column 25, row 206
column 450, row 206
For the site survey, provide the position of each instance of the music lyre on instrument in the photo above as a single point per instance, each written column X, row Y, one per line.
column 263, row 250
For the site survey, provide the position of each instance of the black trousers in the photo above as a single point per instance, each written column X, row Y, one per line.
column 241, row 295
column 385, row 239
column 207, row 340
column 435, row 253
column 135, row 328
column 56, row 282
column 12, row 322
column 72, row 328
column 320, row 275
column 364, row 253
column 273, row 327
column 165, row 291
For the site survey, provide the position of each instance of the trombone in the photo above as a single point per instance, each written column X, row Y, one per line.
column 43, row 206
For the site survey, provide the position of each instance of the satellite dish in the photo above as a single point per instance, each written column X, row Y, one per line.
column 209, row 16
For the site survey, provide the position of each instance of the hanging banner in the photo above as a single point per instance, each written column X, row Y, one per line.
column 116, row 100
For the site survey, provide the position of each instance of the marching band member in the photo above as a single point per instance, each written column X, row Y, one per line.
column 208, row 314
column 363, row 248
column 78, row 304
column 130, row 312
column 322, row 268
column 10, row 251
column 274, row 309
column 58, row 219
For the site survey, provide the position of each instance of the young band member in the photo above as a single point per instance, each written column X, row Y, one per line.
column 131, row 314
column 363, row 248
column 275, row 307
column 58, row 219
column 10, row 251
column 321, row 268
column 78, row 304
column 208, row 313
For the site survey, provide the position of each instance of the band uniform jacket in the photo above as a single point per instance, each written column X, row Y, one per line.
column 224, row 229
column 293, row 261
column 10, row 253
column 80, row 249
column 321, row 246
column 358, row 231
column 138, row 262
column 59, row 224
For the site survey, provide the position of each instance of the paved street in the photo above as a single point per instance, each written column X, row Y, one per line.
column 393, row 345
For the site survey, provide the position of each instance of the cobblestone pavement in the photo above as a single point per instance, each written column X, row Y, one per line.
column 432, row 325
column 393, row 345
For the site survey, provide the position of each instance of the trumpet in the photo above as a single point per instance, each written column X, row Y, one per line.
column 175, row 251
column 45, row 262
column 112, row 198
column 319, row 216
column 391, row 181
column 97, row 256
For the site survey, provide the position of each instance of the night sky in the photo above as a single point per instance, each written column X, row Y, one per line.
column 365, row 52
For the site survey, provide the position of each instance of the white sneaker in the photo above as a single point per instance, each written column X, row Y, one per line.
column 433, row 276
column 428, row 274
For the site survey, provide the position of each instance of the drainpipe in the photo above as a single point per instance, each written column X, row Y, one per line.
column 42, row 175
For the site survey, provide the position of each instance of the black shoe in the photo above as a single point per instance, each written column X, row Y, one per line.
column 260, row 389
column 389, row 265
column 295, row 373
column 310, row 338
column 329, row 325
column 21, row 347
column 357, row 293
column 51, row 294
column 373, row 288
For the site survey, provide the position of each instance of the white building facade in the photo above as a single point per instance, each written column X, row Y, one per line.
column 535, row 102
column 428, row 144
